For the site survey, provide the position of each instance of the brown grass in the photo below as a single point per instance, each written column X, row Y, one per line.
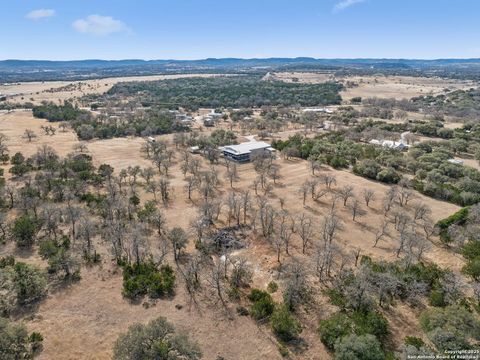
column 82, row 321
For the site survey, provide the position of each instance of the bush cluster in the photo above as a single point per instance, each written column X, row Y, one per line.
column 147, row 279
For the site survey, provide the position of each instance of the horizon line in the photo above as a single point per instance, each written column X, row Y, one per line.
column 247, row 58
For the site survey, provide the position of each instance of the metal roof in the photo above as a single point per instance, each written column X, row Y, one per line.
column 246, row 147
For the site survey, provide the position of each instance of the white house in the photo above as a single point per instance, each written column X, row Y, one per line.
column 455, row 161
column 397, row 145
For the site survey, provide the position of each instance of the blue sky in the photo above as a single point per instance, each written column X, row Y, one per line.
column 195, row 29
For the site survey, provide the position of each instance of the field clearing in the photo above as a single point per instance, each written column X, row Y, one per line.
column 399, row 87
column 302, row 77
column 57, row 91
column 14, row 124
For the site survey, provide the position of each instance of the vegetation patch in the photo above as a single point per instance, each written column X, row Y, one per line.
column 140, row 279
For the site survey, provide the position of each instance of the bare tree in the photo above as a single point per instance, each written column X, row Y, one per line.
column 164, row 185
column 389, row 200
column 346, row 192
column 178, row 238
column 267, row 216
column 421, row 211
column 81, row 147
column 304, row 189
column 405, row 195
column 87, row 229
column 324, row 259
column 305, row 231
column 241, row 274
column 246, row 204
column 368, row 196
column 192, row 184
column 278, row 243
column 330, row 225
column 329, row 181
column 381, row 232
column 314, row 164
column 217, row 282
column 138, row 247
column 356, row 209
column 29, row 134
column 297, row 291
column 232, row 173
column 285, row 233
column 274, row 172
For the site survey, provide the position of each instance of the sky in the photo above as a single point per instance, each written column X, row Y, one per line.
column 197, row 29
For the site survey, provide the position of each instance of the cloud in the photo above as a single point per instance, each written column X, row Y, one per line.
column 40, row 14
column 99, row 25
column 342, row 5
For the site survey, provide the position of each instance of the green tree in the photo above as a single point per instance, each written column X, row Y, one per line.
column 156, row 340
column 334, row 328
column 284, row 325
column 30, row 283
column 358, row 347
column 262, row 306
column 23, row 230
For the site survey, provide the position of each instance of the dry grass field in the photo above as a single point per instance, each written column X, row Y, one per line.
column 397, row 87
column 57, row 91
column 82, row 321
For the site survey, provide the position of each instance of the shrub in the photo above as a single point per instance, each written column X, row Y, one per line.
column 358, row 347
column 334, row 328
column 437, row 298
column 242, row 311
column 145, row 278
column 459, row 218
column 59, row 257
column 471, row 250
column 360, row 323
column 30, row 283
column 367, row 168
column 263, row 305
column 472, row 268
column 414, row 341
column 23, row 230
column 389, row 176
column 370, row 323
column 155, row 340
column 284, row 325
column 272, row 287
column 15, row 342
column 451, row 327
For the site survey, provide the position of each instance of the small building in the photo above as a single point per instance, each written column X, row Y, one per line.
column 396, row 145
column 208, row 121
column 317, row 110
column 455, row 161
column 243, row 151
column 194, row 149
column 214, row 115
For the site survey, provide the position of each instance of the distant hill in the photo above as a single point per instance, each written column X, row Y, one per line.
column 30, row 70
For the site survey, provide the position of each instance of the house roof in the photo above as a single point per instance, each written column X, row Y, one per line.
column 455, row 161
column 246, row 147
column 389, row 143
